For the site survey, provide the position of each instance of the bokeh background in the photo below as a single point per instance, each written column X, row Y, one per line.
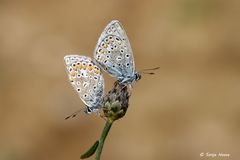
column 190, row 106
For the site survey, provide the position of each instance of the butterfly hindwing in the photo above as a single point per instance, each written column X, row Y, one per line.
column 113, row 51
column 86, row 78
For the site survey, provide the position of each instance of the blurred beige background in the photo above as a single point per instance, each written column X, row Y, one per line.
column 190, row 106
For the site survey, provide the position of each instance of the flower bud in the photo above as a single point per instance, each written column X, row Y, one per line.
column 116, row 102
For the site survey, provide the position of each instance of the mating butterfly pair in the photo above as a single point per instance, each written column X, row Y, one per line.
column 113, row 54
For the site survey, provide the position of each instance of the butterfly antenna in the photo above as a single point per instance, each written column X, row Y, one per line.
column 74, row 114
column 145, row 71
column 150, row 69
column 151, row 73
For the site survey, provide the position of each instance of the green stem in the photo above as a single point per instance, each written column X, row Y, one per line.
column 105, row 131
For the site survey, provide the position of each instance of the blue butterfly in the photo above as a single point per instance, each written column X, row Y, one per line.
column 114, row 54
column 87, row 80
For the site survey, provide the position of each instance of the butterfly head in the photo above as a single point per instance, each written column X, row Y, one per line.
column 137, row 76
column 90, row 110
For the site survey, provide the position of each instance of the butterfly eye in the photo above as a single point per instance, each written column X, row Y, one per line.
column 110, row 37
column 79, row 75
column 121, row 50
column 89, row 110
column 113, row 66
column 105, row 61
column 85, row 95
column 78, row 89
column 127, row 64
column 127, row 55
column 107, row 56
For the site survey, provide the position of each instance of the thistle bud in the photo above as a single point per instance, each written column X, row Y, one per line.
column 116, row 102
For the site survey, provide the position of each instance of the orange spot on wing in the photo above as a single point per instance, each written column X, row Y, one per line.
column 74, row 68
column 90, row 68
column 79, row 66
column 97, row 71
column 73, row 73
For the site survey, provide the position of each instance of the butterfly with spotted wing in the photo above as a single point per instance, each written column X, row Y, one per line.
column 114, row 54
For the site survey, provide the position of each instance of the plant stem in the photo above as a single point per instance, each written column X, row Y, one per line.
column 105, row 131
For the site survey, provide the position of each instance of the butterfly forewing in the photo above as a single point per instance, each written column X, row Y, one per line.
column 113, row 51
column 86, row 79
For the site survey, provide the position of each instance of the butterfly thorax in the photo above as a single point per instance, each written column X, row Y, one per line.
column 130, row 79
